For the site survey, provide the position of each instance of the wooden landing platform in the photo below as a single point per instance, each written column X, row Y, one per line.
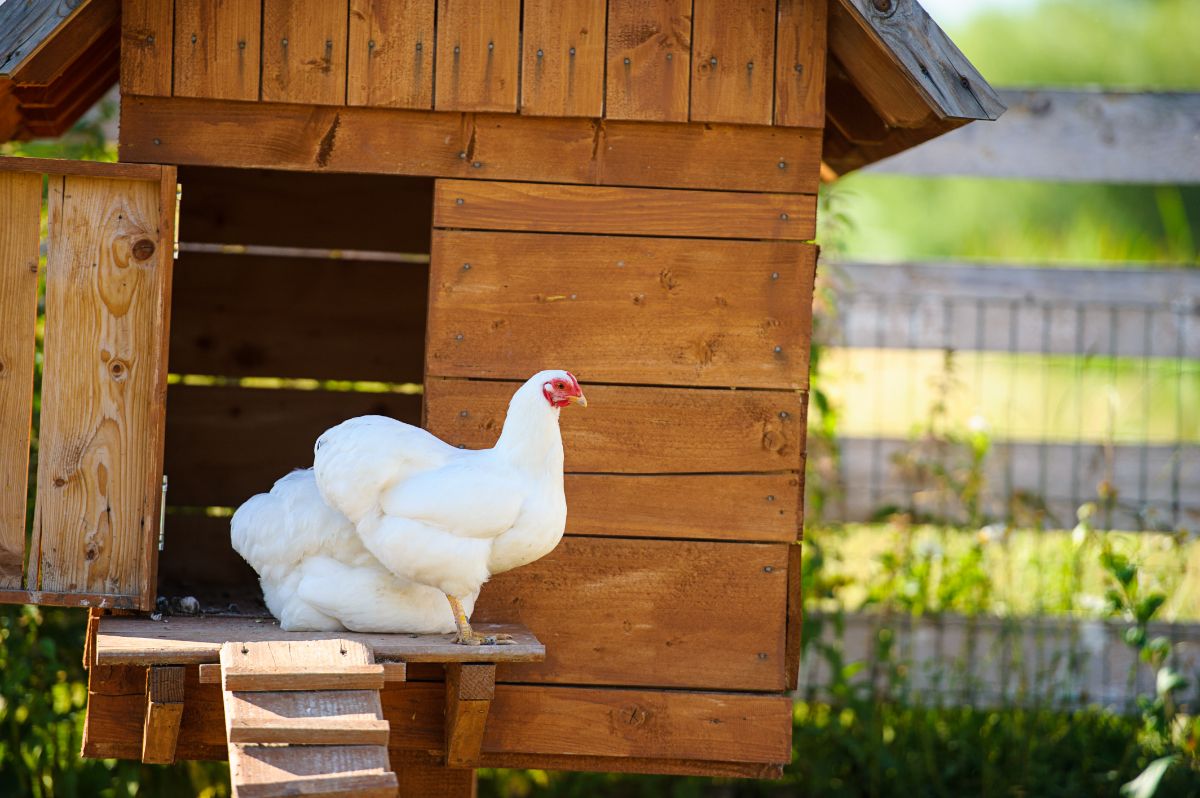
column 193, row 641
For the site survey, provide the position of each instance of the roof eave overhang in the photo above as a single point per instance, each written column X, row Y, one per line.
column 895, row 80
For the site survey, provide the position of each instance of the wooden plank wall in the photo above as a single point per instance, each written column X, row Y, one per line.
column 678, row 61
column 657, row 326
column 107, row 280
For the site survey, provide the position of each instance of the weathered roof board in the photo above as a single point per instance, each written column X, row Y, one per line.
column 57, row 58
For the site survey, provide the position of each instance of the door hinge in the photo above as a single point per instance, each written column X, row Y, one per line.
column 162, row 517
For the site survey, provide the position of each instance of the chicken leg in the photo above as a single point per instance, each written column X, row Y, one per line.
column 468, row 636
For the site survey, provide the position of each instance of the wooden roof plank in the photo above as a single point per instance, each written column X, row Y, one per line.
column 924, row 55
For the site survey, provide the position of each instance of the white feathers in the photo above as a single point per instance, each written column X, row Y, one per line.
column 390, row 519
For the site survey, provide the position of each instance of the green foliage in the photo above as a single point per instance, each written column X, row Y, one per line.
column 1132, row 44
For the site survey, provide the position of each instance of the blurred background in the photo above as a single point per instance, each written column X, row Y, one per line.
column 1002, row 569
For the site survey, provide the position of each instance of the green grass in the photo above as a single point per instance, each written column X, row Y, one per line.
column 1056, row 398
column 1026, row 572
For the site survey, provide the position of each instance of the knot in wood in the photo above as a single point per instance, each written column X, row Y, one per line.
column 633, row 715
column 143, row 248
column 882, row 6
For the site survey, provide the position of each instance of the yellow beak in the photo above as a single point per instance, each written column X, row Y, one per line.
column 577, row 400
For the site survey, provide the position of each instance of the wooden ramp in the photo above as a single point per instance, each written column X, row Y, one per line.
column 304, row 718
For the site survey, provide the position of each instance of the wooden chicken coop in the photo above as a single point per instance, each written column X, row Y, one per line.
column 407, row 207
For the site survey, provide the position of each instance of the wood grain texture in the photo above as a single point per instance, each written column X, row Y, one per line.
column 250, row 678
column 649, row 59
column 478, row 55
column 210, row 673
column 795, row 616
column 99, row 470
column 469, row 692
column 654, row 311
column 488, row 146
column 241, row 315
column 639, row 430
column 146, row 36
column 164, row 711
column 21, row 200
column 644, row 724
column 563, row 58
column 276, row 430
column 304, row 51
column 919, row 52
column 391, row 53
column 744, row 507
column 386, row 213
column 800, row 55
column 649, row 613
column 64, row 166
column 342, row 716
column 541, row 207
column 218, row 49
column 191, row 641
column 730, row 734
column 731, row 157
column 269, row 771
column 733, row 61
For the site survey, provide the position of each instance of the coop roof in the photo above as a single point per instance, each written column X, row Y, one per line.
column 894, row 78
column 57, row 58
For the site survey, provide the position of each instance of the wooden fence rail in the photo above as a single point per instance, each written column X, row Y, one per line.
column 1079, row 136
column 1144, row 314
column 1056, row 663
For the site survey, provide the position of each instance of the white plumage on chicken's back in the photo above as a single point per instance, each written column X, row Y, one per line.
column 393, row 530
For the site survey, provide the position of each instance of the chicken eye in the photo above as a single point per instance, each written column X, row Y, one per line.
column 559, row 385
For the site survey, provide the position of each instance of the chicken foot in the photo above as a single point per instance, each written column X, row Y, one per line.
column 468, row 636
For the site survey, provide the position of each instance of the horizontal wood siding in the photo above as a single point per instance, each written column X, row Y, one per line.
column 274, row 431
column 379, row 213
column 618, row 60
column 99, row 467
column 488, row 146
column 581, row 728
column 21, row 199
column 491, row 205
column 747, row 507
column 636, row 430
column 252, row 316
column 650, row 613
column 655, row 311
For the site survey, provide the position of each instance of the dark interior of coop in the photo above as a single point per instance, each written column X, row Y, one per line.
column 299, row 300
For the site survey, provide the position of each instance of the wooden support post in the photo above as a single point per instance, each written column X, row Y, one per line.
column 469, row 692
column 164, row 710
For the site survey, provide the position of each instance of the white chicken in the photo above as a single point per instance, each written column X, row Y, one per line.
column 393, row 530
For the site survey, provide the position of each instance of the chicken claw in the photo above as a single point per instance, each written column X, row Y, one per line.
column 472, row 638
column 469, row 637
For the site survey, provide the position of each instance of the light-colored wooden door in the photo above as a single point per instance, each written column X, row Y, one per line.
column 91, row 536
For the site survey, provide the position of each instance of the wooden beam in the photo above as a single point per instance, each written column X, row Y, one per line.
column 473, row 146
column 1086, row 136
column 469, row 692
column 192, row 641
column 210, row 672
column 164, row 711
column 276, row 678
